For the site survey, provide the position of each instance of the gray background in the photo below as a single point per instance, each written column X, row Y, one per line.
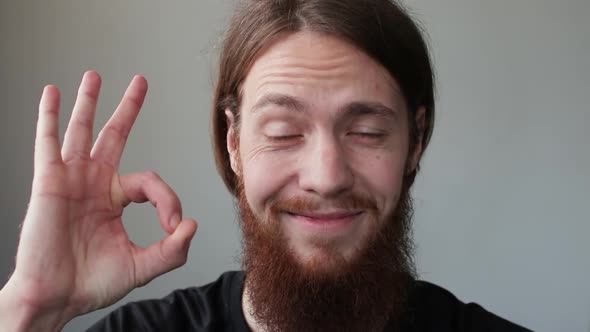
column 502, row 201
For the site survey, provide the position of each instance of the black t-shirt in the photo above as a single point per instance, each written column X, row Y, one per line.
column 217, row 307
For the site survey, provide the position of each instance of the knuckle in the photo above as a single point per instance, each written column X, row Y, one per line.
column 151, row 176
column 91, row 96
column 84, row 122
column 181, row 259
column 134, row 102
column 171, row 259
column 80, row 155
column 118, row 129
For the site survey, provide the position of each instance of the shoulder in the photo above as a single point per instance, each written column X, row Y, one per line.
column 204, row 308
column 433, row 308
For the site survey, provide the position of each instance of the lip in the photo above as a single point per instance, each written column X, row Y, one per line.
column 327, row 216
column 326, row 221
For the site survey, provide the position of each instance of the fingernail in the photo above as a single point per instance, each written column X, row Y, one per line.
column 174, row 221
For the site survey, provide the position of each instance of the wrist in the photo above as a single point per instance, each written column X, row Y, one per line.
column 17, row 314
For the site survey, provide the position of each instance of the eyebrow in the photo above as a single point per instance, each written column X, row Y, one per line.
column 354, row 109
column 281, row 100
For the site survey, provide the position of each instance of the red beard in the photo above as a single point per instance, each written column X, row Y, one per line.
column 366, row 292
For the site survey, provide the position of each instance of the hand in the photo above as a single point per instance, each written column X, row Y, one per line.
column 74, row 255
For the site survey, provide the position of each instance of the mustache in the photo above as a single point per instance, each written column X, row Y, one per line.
column 300, row 204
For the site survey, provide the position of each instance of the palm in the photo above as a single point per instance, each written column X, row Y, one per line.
column 74, row 250
column 90, row 224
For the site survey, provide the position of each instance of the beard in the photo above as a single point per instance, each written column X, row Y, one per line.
column 366, row 291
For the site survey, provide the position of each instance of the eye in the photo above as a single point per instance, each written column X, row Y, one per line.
column 281, row 131
column 365, row 136
column 283, row 138
column 369, row 134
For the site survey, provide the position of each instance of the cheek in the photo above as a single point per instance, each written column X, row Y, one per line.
column 382, row 176
column 264, row 175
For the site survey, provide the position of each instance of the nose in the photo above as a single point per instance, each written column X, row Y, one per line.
column 325, row 169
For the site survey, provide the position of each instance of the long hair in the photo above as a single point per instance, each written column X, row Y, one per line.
column 381, row 28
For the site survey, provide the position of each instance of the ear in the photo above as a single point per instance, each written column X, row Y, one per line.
column 231, row 141
column 416, row 154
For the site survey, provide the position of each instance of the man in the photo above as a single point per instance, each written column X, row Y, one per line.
column 322, row 112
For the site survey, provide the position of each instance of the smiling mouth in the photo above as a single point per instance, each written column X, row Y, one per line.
column 327, row 216
column 336, row 220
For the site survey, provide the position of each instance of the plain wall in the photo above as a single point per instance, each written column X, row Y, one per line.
column 501, row 201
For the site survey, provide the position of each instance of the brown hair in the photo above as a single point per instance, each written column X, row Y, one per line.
column 381, row 28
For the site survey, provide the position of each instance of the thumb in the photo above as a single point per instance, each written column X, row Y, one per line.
column 166, row 255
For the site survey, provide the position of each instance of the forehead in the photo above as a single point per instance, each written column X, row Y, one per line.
column 320, row 69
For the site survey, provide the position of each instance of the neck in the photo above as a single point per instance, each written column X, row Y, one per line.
column 247, row 311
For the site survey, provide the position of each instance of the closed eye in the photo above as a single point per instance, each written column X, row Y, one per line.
column 368, row 134
column 368, row 137
column 284, row 138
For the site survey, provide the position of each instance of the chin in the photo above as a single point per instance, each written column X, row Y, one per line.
column 326, row 259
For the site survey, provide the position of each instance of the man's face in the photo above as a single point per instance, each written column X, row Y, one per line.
column 321, row 151
column 322, row 146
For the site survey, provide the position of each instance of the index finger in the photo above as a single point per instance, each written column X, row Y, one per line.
column 112, row 138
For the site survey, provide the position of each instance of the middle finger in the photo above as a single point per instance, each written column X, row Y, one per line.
column 78, row 136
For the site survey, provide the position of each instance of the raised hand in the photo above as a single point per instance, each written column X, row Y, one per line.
column 74, row 255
